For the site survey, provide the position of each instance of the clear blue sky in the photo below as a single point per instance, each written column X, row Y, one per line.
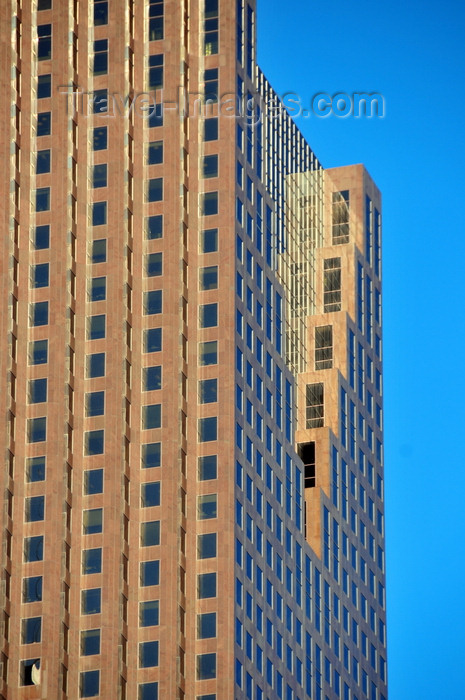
column 413, row 53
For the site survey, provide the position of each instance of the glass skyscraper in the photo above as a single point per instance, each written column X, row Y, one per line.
column 192, row 370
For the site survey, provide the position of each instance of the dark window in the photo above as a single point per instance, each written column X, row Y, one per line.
column 323, row 347
column 99, row 250
column 206, row 545
column 155, row 115
column 153, row 302
column 155, row 190
column 95, row 403
column 34, row 548
column 34, row 509
column 209, row 240
column 29, row 669
column 154, row 264
column 208, row 467
column 32, row 589
column 315, row 405
column 90, row 642
column 211, row 85
column 38, row 352
column 91, row 601
column 92, row 561
column 150, row 494
column 44, row 49
column 150, row 573
column 40, row 275
column 92, row 521
column 95, row 365
column 99, row 175
column 206, row 585
column 154, row 226
column 210, row 203
column 42, row 237
column 44, row 123
column 148, row 654
column 100, row 12
column 43, row 161
column 44, row 86
column 150, row 533
column 152, row 340
column 210, row 166
column 151, row 416
column 37, row 390
column 151, row 455
column 332, row 284
column 100, row 138
column 44, row 5
column 156, row 72
column 210, row 129
column 149, row 613
column 101, row 57
column 89, row 684
column 151, row 378
column 148, row 691
column 208, row 315
column 208, row 353
column 43, row 199
column 208, row 391
column 93, row 481
column 100, row 101
column 306, row 452
column 206, row 625
column 207, row 506
column 36, row 429
column 35, row 469
column 93, row 442
column 208, row 429
column 211, row 28
column 99, row 213
column 98, row 289
column 155, row 153
column 155, row 20
column 206, row 666
column 208, row 277
column 96, row 327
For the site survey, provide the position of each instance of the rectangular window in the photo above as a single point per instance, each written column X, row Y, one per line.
column 37, row 429
column 37, row 390
column 207, row 506
column 101, row 57
column 208, row 277
column 44, row 5
column 210, row 129
column 99, row 176
column 208, row 468
column 100, row 101
column 35, row 469
column 323, row 347
column 44, row 123
column 42, row 237
column 206, row 545
column 155, row 189
column 209, row 240
column 151, row 416
column 208, row 390
column 34, row 509
column 210, row 166
column 38, row 313
column 92, row 521
column 93, row 481
column 154, row 227
column 99, row 213
column 149, row 613
column 34, row 548
column 206, row 625
column 95, row 365
column 153, row 340
column 95, row 403
column 44, row 86
column 100, row 138
column 100, row 12
column 43, row 199
column 156, row 72
column 155, row 153
column 206, row 585
column 97, row 289
column 150, row 494
column 208, row 353
column 43, row 161
column 208, row 429
column 93, row 442
column 90, row 642
column 332, row 284
column 340, row 228
column 44, row 48
column 99, row 251
column 155, row 20
column 209, row 204
column 154, row 264
column 206, row 666
column 211, row 28
column 153, row 302
column 315, row 405
column 151, row 378
column 208, row 315
column 96, row 327
column 89, row 684
column 150, row 533
column 92, row 561
column 148, row 654
column 150, row 573
column 40, row 275
column 32, row 589
column 211, row 85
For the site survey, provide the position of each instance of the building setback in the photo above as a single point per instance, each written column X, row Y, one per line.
column 190, row 370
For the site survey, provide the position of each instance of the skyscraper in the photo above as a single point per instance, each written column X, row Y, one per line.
column 191, row 370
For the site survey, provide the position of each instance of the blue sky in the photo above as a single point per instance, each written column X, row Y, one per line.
column 413, row 53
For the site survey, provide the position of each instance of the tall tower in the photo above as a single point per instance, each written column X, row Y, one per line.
column 191, row 370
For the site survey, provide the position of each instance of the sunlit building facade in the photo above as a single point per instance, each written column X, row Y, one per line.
column 191, row 370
